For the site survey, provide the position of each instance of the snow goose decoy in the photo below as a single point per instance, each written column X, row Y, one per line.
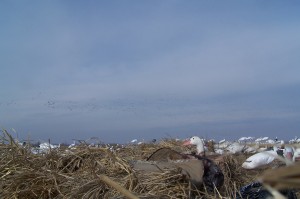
column 213, row 175
column 200, row 149
column 195, row 140
column 72, row 146
column 260, row 159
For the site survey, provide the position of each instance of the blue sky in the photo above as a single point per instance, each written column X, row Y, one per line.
column 120, row 70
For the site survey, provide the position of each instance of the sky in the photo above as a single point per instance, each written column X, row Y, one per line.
column 123, row 70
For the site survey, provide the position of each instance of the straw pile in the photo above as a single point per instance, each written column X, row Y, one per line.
column 87, row 172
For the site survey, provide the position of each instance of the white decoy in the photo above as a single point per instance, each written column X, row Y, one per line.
column 295, row 140
column 260, row 159
column 195, row 140
column 72, row 146
column 270, row 141
column 222, row 141
column 250, row 138
column 258, row 140
column 243, row 139
column 223, row 144
column 250, row 149
column 219, row 151
column 45, row 147
column 201, row 148
column 134, row 141
column 296, row 156
column 235, row 148
column 288, row 153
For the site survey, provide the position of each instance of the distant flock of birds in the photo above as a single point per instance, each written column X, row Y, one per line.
column 264, row 152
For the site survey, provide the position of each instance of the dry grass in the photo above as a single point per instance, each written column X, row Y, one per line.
column 77, row 173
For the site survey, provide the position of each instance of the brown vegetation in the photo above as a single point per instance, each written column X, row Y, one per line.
column 87, row 172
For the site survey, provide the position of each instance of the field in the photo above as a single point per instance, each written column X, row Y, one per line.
column 91, row 172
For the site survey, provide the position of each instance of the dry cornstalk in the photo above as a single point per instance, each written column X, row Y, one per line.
column 118, row 187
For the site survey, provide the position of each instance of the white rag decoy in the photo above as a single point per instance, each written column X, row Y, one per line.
column 222, row 141
column 260, row 159
column 270, row 141
column 134, row 141
column 249, row 149
column 219, row 151
column 222, row 145
column 235, row 148
column 243, row 139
